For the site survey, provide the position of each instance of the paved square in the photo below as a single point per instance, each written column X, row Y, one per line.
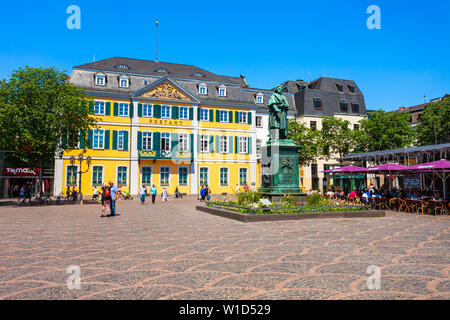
column 171, row 251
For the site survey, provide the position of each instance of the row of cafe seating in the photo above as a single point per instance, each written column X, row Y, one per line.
column 425, row 204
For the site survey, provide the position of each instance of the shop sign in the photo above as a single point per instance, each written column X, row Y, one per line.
column 20, row 171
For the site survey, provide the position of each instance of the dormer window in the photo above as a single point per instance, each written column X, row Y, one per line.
column 123, row 83
column 259, row 98
column 351, row 89
column 339, row 87
column 222, row 91
column 161, row 70
column 343, row 105
column 317, row 103
column 198, row 74
column 100, row 80
column 122, row 66
column 202, row 89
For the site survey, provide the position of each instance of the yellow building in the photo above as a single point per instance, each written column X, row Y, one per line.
column 165, row 124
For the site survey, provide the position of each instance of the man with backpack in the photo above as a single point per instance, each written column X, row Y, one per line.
column 115, row 193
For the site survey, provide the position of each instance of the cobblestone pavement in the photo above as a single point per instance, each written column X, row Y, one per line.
column 171, row 251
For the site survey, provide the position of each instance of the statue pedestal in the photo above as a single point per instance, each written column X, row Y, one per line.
column 279, row 170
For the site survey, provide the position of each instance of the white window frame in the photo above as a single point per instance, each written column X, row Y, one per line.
column 161, row 140
column 151, row 175
column 127, row 82
column 119, row 133
column 207, row 114
column 97, row 78
column 92, row 175
column 205, row 88
column 76, row 176
column 128, row 109
column 243, row 141
column 103, row 139
column 260, row 121
column 170, row 112
column 223, row 144
column 207, row 143
column 117, row 175
column 146, row 106
column 187, row 182
column 104, row 107
column 224, row 90
column 258, row 149
column 187, row 113
column 226, row 116
column 220, row 177
column 260, row 99
column 199, row 176
column 151, row 140
column 160, row 176
column 239, row 176
column 183, row 147
column 245, row 115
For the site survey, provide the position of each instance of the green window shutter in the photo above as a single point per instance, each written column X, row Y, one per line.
column 230, row 116
column 198, row 113
column 125, row 140
column 217, row 115
column 230, row 144
column 157, row 142
column 249, row 118
column 108, row 109
column 211, row 143
column 236, row 117
column 249, row 147
column 175, row 112
column 107, row 135
column 191, row 113
column 174, row 143
column 156, row 111
column 139, row 109
column 198, row 143
column 236, row 142
column 131, row 106
column 90, row 134
column 114, row 140
column 139, row 140
column 115, row 109
column 82, row 144
column 211, row 115
column 191, row 144
column 217, row 144
column 91, row 107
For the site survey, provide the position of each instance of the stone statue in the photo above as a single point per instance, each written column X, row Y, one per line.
column 278, row 107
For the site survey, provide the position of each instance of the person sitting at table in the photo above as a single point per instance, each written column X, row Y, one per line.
column 352, row 195
column 365, row 196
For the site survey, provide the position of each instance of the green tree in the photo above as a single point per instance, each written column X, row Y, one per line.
column 337, row 137
column 39, row 108
column 384, row 131
column 308, row 138
column 435, row 125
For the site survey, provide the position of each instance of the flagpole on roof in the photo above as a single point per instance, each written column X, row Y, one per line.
column 156, row 40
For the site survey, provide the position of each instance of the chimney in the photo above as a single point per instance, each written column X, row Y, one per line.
column 244, row 81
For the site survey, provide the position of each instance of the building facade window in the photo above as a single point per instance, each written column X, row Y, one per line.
column 260, row 99
column 242, row 117
column 203, row 90
column 98, row 139
column 339, row 87
column 122, row 175
column 204, row 115
column 242, row 176
column 183, row 142
column 146, row 173
column 165, row 112
column 243, row 147
column 351, row 89
column 223, row 115
column 343, row 105
column 184, row 113
column 100, row 80
column 123, row 83
column 203, row 176
column 204, row 143
column 182, row 176
column 71, row 175
column 223, row 177
column 356, row 126
column 97, row 175
column 120, row 140
column 147, row 110
column 165, row 141
column 222, row 91
column 123, row 109
column 164, row 176
column 258, row 147
column 223, row 144
column 146, row 140
column 355, row 107
column 313, row 125
column 258, row 121
column 99, row 108
column 317, row 103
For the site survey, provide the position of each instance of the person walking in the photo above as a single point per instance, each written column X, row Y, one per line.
column 106, row 200
column 115, row 193
column 143, row 193
column 68, row 193
column 202, row 194
column 246, row 187
column 28, row 194
column 207, row 193
column 21, row 194
column 74, row 194
column 153, row 191
column 165, row 195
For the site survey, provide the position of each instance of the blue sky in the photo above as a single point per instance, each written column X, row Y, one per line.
column 268, row 41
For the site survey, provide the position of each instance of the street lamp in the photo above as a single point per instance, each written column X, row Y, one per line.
column 80, row 172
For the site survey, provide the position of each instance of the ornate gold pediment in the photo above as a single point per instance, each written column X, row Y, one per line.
column 165, row 91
